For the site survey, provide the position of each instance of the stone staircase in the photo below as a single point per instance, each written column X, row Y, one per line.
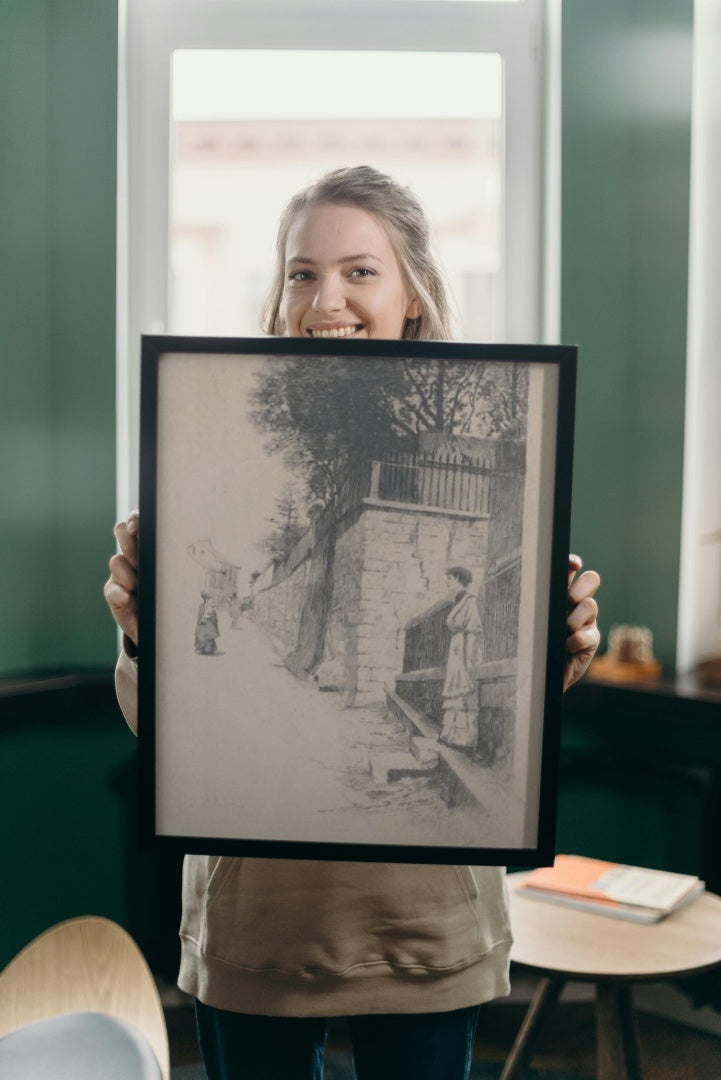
column 420, row 759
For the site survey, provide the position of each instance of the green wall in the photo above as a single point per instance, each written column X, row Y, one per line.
column 625, row 167
column 67, row 772
column 626, row 128
column 626, row 137
column 58, row 72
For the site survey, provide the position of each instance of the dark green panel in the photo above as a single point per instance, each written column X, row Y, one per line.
column 68, row 789
column 641, row 777
column 58, row 74
column 626, row 817
column 26, row 492
column 83, row 128
column 626, row 147
column 62, row 786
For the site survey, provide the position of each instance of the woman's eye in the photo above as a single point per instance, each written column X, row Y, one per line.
column 300, row 276
column 362, row 272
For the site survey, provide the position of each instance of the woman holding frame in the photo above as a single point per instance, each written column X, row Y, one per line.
column 272, row 948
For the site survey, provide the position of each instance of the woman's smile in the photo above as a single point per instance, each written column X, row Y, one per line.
column 334, row 331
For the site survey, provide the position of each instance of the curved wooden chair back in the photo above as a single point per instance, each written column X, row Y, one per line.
column 88, row 964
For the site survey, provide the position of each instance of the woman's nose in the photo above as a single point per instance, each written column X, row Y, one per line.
column 329, row 296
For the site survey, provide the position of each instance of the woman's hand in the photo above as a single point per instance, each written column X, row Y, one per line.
column 583, row 636
column 121, row 587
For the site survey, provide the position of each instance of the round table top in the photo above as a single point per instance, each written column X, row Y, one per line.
column 559, row 940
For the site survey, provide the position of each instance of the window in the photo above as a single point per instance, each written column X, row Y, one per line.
column 227, row 107
column 236, row 160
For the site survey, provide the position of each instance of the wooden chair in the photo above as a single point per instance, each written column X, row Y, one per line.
column 87, row 967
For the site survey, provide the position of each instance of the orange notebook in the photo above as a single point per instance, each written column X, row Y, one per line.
column 632, row 892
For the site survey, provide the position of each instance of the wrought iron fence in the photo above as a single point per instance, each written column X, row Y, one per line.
column 499, row 599
column 445, row 480
column 428, row 639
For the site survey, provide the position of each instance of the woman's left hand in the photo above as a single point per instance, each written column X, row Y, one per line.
column 582, row 634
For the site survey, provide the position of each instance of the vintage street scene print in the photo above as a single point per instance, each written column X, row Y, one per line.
column 350, row 639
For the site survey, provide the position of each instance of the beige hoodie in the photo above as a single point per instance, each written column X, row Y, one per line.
column 297, row 938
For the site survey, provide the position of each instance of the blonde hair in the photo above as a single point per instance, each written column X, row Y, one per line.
column 403, row 217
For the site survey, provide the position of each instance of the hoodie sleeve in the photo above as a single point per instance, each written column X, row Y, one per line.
column 126, row 688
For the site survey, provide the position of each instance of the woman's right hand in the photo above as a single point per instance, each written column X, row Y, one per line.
column 121, row 587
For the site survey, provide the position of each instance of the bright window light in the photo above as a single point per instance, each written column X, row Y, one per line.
column 220, row 84
column 434, row 121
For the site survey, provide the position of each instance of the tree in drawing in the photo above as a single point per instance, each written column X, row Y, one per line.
column 323, row 414
column 287, row 524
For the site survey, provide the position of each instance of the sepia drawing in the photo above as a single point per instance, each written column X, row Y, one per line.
column 346, row 539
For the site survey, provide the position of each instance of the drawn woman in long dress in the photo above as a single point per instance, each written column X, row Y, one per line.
column 206, row 627
column 460, row 693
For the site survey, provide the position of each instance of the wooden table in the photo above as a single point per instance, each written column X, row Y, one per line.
column 563, row 944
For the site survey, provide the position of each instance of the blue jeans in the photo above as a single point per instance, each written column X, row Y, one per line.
column 415, row 1046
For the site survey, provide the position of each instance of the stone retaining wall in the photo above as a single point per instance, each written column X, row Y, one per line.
column 277, row 607
column 398, row 561
column 390, row 565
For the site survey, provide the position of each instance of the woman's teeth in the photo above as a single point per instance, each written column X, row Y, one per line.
column 337, row 331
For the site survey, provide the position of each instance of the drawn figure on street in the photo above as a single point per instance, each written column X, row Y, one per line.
column 460, row 692
column 206, row 628
column 235, row 609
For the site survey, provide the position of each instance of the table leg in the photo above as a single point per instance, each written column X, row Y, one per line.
column 617, row 1033
column 545, row 997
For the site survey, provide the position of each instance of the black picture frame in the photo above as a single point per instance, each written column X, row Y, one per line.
column 301, row 646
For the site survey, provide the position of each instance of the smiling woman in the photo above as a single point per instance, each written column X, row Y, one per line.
column 271, row 947
column 353, row 259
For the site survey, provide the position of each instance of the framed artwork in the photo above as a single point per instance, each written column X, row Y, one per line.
column 352, row 597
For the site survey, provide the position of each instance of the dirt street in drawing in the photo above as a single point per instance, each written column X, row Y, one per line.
column 246, row 779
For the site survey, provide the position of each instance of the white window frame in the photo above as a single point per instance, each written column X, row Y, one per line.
column 526, row 34
column 699, row 597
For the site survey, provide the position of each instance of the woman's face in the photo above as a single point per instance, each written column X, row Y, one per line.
column 454, row 585
column 342, row 277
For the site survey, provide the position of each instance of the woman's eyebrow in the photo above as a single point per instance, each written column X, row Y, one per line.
column 363, row 255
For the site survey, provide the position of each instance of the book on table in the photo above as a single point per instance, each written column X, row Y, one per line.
column 609, row 888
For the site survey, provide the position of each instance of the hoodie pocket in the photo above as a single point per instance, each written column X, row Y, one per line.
column 468, row 884
column 202, row 875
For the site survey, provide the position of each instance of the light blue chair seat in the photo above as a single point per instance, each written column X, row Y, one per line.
column 78, row 1046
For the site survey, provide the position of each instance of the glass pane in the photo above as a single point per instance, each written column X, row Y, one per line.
column 238, row 155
